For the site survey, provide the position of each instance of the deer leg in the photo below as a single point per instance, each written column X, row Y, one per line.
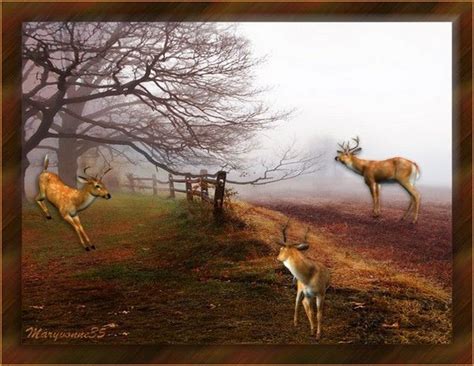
column 84, row 235
column 373, row 192
column 40, row 201
column 377, row 195
column 415, row 196
column 69, row 219
column 408, row 209
column 299, row 295
column 319, row 314
column 417, row 206
column 309, row 313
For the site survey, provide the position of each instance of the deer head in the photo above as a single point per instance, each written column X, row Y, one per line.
column 94, row 184
column 289, row 250
column 346, row 152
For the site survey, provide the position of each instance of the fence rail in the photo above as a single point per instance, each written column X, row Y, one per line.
column 201, row 182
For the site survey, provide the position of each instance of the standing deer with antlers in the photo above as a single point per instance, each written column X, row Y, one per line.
column 375, row 172
column 312, row 280
column 69, row 201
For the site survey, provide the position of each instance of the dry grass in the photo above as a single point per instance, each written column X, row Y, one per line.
column 349, row 269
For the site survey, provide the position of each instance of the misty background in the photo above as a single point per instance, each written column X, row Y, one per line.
column 390, row 83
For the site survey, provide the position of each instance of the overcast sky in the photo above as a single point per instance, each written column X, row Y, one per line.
column 389, row 83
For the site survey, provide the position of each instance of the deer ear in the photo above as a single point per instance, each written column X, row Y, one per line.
column 302, row 246
column 81, row 179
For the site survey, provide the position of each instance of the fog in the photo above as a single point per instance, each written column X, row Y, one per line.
column 389, row 83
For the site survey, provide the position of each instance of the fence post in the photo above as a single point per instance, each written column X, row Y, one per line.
column 131, row 181
column 154, row 184
column 219, row 192
column 171, row 184
column 189, row 188
column 203, row 184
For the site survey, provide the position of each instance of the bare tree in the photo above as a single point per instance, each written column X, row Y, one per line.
column 176, row 93
column 290, row 164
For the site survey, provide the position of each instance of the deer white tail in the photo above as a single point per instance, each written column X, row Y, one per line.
column 46, row 162
column 415, row 173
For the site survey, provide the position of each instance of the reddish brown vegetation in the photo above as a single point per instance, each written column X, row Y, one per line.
column 424, row 248
column 164, row 273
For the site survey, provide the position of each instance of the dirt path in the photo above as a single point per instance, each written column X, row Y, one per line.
column 424, row 248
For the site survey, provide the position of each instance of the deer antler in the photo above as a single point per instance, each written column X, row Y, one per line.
column 357, row 141
column 342, row 147
column 284, row 228
column 346, row 148
column 85, row 171
column 104, row 173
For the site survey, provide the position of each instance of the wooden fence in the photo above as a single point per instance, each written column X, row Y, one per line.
column 194, row 185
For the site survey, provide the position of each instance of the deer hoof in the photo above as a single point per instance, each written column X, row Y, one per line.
column 295, row 323
column 318, row 336
column 93, row 247
column 49, row 217
column 87, row 249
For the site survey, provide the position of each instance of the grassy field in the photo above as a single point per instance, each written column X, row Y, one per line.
column 164, row 272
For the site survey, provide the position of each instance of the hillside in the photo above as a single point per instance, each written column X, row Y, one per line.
column 425, row 248
column 163, row 272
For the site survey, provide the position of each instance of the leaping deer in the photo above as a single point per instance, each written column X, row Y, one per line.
column 312, row 280
column 69, row 201
column 375, row 172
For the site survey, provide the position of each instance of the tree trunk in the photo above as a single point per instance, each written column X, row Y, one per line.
column 25, row 163
column 67, row 161
column 68, row 148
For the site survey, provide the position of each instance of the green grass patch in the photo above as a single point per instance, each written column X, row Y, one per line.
column 121, row 272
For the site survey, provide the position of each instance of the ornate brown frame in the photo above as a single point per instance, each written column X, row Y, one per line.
column 459, row 13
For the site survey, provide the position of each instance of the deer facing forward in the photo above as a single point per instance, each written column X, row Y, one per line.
column 70, row 201
column 375, row 172
column 312, row 280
